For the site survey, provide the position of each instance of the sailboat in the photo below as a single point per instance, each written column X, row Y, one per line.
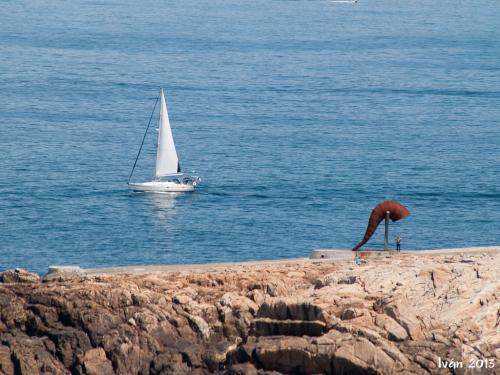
column 168, row 176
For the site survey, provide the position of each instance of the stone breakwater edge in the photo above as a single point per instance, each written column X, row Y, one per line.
column 316, row 255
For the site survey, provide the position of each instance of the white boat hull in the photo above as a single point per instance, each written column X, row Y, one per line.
column 161, row 186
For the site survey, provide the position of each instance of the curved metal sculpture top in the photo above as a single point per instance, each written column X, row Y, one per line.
column 397, row 212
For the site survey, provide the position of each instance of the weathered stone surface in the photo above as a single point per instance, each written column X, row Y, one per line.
column 6, row 365
column 351, row 279
column 242, row 369
column 95, row 363
column 292, row 355
column 268, row 327
column 405, row 318
column 291, row 309
column 361, row 356
column 19, row 275
column 393, row 315
column 395, row 331
column 351, row 313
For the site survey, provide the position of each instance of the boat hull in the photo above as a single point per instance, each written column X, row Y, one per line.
column 161, row 186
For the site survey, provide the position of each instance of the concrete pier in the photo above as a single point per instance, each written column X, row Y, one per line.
column 330, row 254
column 316, row 255
column 65, row 270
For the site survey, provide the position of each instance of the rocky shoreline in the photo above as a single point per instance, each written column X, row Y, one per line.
column 392, row 315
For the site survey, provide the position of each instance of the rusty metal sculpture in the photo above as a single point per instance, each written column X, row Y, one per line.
column 396, row 212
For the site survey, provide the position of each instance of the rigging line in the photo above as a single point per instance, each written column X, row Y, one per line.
column 143, row 139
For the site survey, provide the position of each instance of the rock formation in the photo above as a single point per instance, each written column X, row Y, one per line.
column 392, row 315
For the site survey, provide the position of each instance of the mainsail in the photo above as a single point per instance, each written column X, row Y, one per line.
column 167, row 162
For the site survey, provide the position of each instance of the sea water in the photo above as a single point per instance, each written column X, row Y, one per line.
column 300, row 116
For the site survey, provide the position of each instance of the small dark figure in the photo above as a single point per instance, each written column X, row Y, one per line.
column 398, row 243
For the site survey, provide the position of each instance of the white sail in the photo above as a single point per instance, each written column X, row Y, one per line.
column 167, row 162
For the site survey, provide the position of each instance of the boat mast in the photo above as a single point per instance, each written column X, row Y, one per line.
column 143, row 139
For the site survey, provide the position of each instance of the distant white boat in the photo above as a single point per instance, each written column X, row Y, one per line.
column 168, row 176
column 344, row 1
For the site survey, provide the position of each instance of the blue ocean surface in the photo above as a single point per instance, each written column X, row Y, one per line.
column 300, row 116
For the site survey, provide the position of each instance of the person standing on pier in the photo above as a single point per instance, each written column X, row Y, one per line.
column 398, row 243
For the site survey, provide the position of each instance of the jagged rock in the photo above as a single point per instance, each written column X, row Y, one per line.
column 351, row 313
column 395, row 331
column 268, row 327
column 33, row 356
column 169, row 362
column 19, row 275
column 440, row 277
column 182, row 299
column 404, row 317
column 95, row 363
column 273, row 289
column 291, row 310
column 217, row 354
column 200, row 326
column 348, row 279
column 360, row 356
column 293, row 355
column 25, row 361
column 242, row 369
column 191, row 354
column 394, row 315
column 257, row 296
column 6, row 365
column 325, row 281
column 239, row 303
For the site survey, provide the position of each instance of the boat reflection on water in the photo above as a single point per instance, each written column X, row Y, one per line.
column 164, row 204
